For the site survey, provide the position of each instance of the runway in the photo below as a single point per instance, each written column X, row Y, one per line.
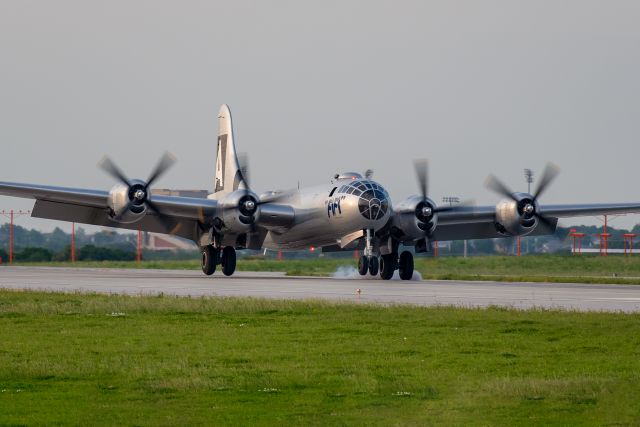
column 277, row 285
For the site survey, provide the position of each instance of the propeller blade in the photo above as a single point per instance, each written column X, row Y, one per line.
column 496, row 185
column 546, row 221
column 107, row 165
column 549, row 174
column 252, row 224
column 422, row 172
column 166, row 161
column 169, row 224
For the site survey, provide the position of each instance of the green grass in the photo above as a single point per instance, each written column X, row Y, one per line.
column 118, row 360
column 536, row 268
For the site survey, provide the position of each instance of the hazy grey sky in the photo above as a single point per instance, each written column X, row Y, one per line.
column 321, row 87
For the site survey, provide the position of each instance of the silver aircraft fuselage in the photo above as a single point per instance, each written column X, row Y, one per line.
column 325, row 215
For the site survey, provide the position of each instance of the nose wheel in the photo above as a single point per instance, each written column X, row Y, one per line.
column 368, row 262
column 373, row 266
column 363, row 265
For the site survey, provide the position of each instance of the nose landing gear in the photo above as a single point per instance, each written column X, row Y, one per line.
column 368, row 262
column 363, row 265
column 373, row 266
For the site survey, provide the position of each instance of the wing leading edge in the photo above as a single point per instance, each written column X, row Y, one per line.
column 91, row 207
column 477, row 222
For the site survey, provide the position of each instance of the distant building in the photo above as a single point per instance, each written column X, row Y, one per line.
column 163, row 242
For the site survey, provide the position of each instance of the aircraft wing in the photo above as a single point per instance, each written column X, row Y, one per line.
column 91, row 207
column 477, row 222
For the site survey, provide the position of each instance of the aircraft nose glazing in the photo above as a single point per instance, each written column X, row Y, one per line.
column 372, row 198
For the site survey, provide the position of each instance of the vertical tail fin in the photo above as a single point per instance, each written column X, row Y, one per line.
column 228, row 173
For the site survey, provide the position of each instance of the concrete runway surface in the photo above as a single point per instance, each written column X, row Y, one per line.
column 276, row 285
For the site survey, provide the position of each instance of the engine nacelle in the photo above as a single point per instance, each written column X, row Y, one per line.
column 415, row 218
column 516, row 217
column 239, row 210
column 124, row 207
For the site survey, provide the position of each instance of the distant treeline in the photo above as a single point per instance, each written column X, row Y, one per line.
column 85, row 253
column 36, row 246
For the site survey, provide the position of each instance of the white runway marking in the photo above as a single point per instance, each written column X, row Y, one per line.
column 276, row 285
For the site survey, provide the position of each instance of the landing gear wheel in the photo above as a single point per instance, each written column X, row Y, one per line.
column 363, row 265
column 228, row 260
column 209, row 256
column 373, row 265
column 387, row 266
column 406, row 265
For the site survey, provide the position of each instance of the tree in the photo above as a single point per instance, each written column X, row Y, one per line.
column 33, row 255
column 95, row 253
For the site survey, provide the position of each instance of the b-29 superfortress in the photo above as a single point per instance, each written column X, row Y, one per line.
column 350, row 213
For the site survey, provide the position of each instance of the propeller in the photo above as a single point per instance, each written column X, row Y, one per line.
column 529, row 209
column 422, row 174
column 139, row 192
column 248, row 204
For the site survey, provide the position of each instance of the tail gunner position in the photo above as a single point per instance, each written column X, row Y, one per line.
column 351, row 213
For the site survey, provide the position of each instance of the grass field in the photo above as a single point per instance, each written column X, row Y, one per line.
column 536, row 268
column 118, row 360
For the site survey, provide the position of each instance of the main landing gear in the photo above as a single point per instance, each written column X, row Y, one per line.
column 387, row 265
column 405, row 265
column 212, row 256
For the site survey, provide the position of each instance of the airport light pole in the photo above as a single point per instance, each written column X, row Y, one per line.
column 139, row 252
column 577, row 237
column 11, row 215
column 628, row 242
column 528, row 176
column 73, row 242
column 451, row 200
